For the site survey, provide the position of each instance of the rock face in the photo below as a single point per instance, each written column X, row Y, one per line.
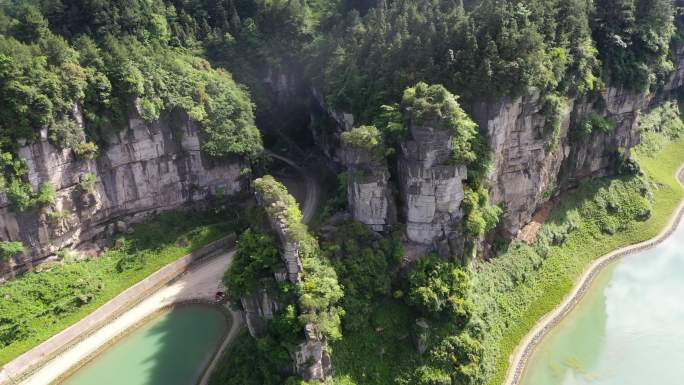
column 431, row 187
column 289, row 247
column 529, row 163
column 527, row 169
column 310, row 359
column 326, row 126
column 258, row 309
column 146, row 168
column 523, row 165
column 368, row 190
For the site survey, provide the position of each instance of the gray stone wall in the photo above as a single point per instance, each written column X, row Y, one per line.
column 144, row 168
column 431, row 185
column 368, row 191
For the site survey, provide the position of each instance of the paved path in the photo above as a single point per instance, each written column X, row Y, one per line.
column 199, row 283
column 524, row 350
column 312, row 189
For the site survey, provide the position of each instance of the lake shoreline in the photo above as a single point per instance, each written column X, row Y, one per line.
column 226, row 316
column 527, row 346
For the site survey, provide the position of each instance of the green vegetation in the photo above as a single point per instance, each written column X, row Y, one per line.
column 9, row 250
column 364, row 264
column 489, row 48
column 87, row 182
column 435, row 105
column 376, row 346
column 104, row 61
column 37, row 305
column 381, row 329
column 247, row 362
column 256, row 258
column 441, row 288
column 366, row 137
column 23, row 198
column 633, row 40
column 319, row 290
column 590, row 124
column 509, row 293
column 53, row 58
column 553, row 108
column 365, row 54
column 481, row 217
column 392, row 64
column 379, row 350
column 513, row 291
column 658, row 128
column 311, row 302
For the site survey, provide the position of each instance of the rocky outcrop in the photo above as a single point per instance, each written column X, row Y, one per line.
column 524, row 166
column 431, row 185
column 529, row 162
column 289, row 246
column 142, row 169
column 326, row 126
column 527, row 169
column 368, row 190
column 258, row 308
column 310, row 359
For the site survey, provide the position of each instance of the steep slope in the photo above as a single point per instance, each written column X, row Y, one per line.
column 146, row 168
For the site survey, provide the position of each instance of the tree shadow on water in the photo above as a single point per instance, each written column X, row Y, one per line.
column 172, row 348
column 186, row 338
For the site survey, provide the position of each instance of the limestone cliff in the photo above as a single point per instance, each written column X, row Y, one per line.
column 431, row 185
column 529, row 163
column 310, row 359
column 527, row 169
column 368, row 189
column 144, row 168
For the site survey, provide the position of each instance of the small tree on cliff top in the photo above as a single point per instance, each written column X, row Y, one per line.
column 434, row 104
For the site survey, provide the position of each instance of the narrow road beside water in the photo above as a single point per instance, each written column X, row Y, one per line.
column 199, row 283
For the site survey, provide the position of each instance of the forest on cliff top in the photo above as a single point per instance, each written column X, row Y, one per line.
column 107, row 58
column 220, row 61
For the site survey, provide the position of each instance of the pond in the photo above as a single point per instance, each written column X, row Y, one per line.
column 172, row 349
column 628, row 330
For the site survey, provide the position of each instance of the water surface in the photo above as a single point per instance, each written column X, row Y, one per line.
column 172, row 349
column 628, row 330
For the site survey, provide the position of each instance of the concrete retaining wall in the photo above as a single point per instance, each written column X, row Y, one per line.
column 35, row 357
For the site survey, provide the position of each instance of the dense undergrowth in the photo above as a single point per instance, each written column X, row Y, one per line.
column 360, row 57
column 37, row 305
column 80, row 71
column 513, row 291
column 466, row 323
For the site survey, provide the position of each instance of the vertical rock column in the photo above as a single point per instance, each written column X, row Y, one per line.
column 431, row 185
column 368, row 192
column 310, row 358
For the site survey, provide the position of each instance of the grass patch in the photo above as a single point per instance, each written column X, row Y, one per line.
column 38, row 305
column 536, row 293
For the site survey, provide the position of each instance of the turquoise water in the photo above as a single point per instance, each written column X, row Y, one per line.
column 628, row 330
column 172, row 349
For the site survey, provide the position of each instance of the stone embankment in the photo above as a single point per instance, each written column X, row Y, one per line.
column 551, row 320
column 194, row 276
